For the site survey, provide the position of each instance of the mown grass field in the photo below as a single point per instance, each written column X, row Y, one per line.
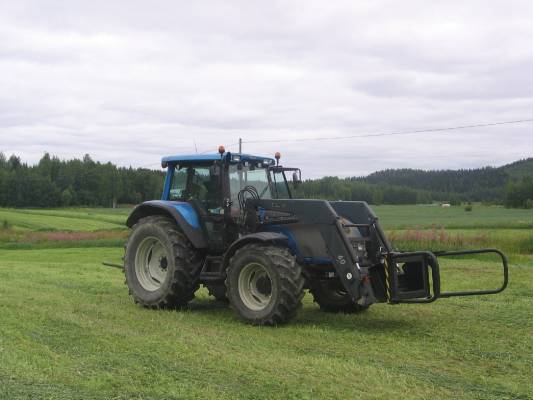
column 68, row 329
column 68, row 219
column 427, row 216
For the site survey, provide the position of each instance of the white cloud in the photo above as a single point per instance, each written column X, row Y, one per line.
column 133, row 81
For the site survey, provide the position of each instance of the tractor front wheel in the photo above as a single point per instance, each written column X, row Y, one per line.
column 331, row 297
column 264, row 284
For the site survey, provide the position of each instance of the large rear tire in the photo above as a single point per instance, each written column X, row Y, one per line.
column 264, row 284
column 160, row 264
column 331, row 297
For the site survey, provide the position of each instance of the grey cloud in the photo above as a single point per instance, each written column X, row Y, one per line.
column 132, row 81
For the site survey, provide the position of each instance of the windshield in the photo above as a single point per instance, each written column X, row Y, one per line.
column 248, row 176
column 279, row 184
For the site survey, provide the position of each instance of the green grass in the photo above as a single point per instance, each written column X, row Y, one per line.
column 70, row 331
column 70, row 220
column 115, row 216
column 512, row 241
column 426, row 216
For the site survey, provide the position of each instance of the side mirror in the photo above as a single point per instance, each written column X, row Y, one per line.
column 296, row 180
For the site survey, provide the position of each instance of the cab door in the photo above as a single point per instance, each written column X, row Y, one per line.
column 204, row 192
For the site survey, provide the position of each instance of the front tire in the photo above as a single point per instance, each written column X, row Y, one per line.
column 160, row 264
column 264, row 284
column 331, row 297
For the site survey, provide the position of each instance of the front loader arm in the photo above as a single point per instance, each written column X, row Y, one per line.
column 354, row 278
column 320, row 214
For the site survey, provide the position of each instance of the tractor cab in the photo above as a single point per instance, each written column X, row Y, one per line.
column 213, row 182
column 217, row 186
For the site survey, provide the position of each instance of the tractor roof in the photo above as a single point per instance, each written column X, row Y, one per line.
column 195, row 158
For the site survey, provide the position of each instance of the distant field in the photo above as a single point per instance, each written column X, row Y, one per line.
column 411, row 227
column 426, row 216
column 64, row 219
column 391, row 217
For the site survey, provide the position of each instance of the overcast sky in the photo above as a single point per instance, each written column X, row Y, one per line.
column 132, row 81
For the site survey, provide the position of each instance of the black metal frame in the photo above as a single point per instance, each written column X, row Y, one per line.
column 431, row 260
column 428, row 259
column 480, row 251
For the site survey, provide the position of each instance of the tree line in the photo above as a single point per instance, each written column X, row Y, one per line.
column 62, row 183
column 334, row 188
column 57, row 183
column 483, row 184
column 511, row 185
column 520, row 193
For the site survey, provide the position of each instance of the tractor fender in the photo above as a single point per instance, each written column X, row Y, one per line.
column 182, row 213
column 259, row 237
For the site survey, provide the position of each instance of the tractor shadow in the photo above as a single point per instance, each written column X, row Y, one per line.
column 369, row 320
column 310, row 316
column 207, row 305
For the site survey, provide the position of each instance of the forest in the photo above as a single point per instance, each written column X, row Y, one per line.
column 511, row 185
column 56, row 183
column 63, row 183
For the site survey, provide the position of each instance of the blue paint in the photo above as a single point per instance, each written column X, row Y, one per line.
column 317, row 260
column 293, row 246
column 168, row 183
column 194, row 158
column 262, row 212
column 188, row 213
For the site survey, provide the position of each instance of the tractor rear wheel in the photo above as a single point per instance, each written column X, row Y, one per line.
column 264, row 284
column 331, row 297
column 160, row 264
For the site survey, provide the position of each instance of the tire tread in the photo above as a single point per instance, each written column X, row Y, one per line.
column 184, row 281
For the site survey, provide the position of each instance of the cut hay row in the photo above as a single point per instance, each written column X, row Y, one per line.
column 24, row 219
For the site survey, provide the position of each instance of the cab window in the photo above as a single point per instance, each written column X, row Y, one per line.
column 200, row 183
column 178, row 185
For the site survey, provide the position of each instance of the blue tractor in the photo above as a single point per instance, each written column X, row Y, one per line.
column 230, row 222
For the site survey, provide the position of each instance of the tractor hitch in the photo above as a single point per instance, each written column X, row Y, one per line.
column 113, row 265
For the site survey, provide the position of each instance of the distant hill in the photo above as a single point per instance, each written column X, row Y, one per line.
column 519, row 169
column 402, row 186
column 480, row 184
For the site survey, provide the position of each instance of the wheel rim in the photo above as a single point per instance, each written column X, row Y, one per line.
column 151, row 264
column 255, row 286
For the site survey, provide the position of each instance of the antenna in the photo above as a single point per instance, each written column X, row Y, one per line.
column 195, row 147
